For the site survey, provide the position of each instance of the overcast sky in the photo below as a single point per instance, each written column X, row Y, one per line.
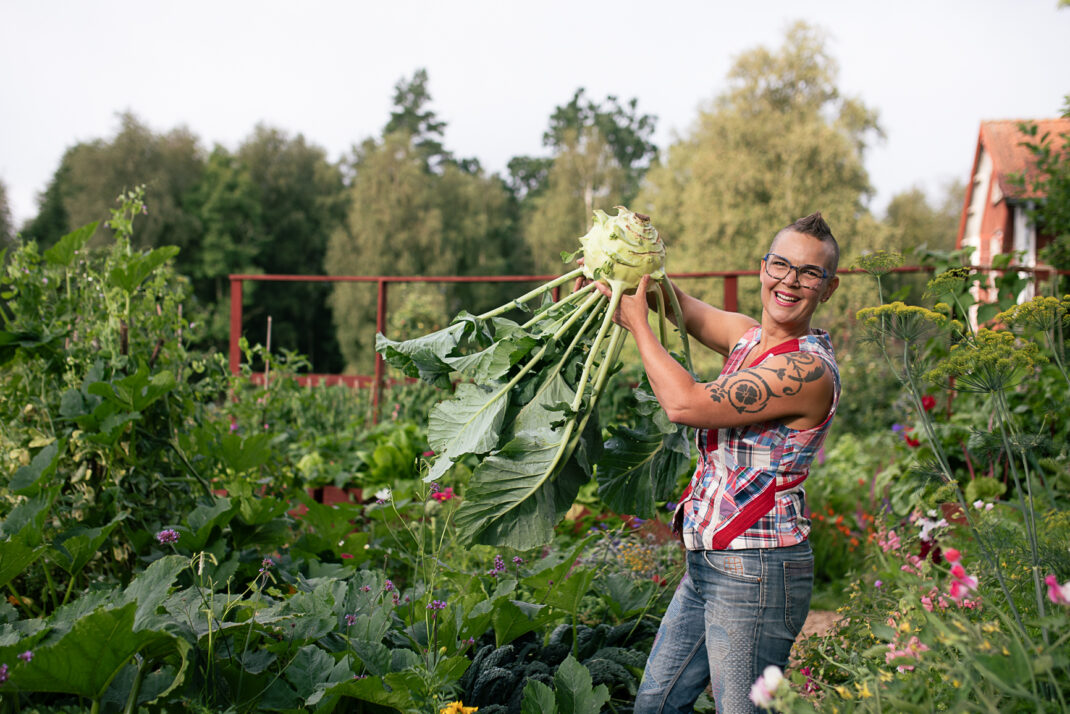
column 933, row 69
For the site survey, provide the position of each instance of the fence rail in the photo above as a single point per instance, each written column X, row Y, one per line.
column 382, row 282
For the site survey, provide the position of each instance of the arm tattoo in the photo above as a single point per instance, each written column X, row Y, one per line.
column 750, row 391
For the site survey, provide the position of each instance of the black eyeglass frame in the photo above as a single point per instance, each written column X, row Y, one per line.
column 798, row 271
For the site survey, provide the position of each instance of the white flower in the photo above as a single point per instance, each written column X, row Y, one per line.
column 928, row 525
column 383, row 494
column 765, row 687
column 772, row 676
column 979, row 504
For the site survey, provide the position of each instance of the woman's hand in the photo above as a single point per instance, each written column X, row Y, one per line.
column 633, row 311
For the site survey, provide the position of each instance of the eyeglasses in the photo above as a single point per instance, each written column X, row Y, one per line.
column 809, row 276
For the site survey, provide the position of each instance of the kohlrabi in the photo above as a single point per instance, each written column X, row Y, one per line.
column 525, row 402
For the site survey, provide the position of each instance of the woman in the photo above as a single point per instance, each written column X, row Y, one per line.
column 749, row 574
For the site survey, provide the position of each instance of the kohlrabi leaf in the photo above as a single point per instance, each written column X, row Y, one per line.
column 517, row 495
column 425, row 357
column 639, row 465
column 467, row 424
column 515, row 498
column 492, row 363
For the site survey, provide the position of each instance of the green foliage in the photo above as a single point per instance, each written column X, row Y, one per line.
column 600, row 153
column 526, row 415
column 7, row 227
column 906, row 642
column 779, row 143
column 92, row 173
column 405, row 220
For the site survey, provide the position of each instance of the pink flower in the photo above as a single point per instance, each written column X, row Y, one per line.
column 345, row 556
column 445, row 495
column 1057, row 593
column 888, row 542
column 961, row 586
column 168, row 535
column 952, row 555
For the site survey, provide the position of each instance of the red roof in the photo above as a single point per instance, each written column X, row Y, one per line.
column 1003, row 141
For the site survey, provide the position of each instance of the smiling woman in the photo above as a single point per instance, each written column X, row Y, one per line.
column 760, row 423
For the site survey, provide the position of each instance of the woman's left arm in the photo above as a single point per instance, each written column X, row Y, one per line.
column 795, row 388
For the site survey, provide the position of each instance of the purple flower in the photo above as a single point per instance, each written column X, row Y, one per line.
column 670, row 505
column 3, row 673
column 897, row 428
column 351, row 620
column 167, row 536
column 266, row 564
column 365, row 588
column 499, row 567
column 388, row 586
column 26, row 656
column 436, row 605
column 435, row 488
column 233, row 426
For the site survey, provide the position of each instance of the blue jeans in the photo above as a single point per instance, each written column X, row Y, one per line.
column 734, row 613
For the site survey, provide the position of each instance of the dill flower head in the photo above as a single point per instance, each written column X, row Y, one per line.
column 879, row 262
column 990, row 362
column 1041, row 313
column 904, row 322
column 949, row 282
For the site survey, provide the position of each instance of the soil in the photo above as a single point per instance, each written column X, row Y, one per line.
column 818, row 622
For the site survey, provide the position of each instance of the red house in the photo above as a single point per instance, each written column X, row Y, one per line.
column 994, row 218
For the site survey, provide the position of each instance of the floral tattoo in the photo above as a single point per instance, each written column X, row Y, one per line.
column 749, row 390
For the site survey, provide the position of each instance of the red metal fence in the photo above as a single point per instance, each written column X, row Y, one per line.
column 730, row 302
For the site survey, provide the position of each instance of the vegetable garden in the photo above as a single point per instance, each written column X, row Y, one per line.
column 161, row 550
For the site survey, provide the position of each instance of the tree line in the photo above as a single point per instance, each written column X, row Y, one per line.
column 781, row 141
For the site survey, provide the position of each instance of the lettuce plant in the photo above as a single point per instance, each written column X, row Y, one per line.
column 525, row 405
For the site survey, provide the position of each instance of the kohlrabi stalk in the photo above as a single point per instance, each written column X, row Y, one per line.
column 525, row 400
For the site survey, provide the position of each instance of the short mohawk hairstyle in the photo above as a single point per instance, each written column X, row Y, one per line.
column 816, row 227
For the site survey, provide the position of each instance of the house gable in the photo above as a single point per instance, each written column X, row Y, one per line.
column 994, row 219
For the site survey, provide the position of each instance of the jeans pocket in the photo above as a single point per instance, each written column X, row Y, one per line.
column 731, row 565
column 798, row 587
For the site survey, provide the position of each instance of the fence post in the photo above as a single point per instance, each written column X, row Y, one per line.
column 731, row 293
column 235, row 323
column 380, row 327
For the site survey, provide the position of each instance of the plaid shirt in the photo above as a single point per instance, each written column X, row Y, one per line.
column 747, row 490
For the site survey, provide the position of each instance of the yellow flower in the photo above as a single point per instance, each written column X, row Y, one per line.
column 863, row 690
column 885, row 676
column 843, row 692
column 457, row 708
column 956, row 683
column 904, row 627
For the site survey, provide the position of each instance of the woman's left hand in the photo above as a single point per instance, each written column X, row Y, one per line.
column 633, row 310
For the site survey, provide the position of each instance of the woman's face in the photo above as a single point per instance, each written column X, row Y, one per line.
column 792, row 298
